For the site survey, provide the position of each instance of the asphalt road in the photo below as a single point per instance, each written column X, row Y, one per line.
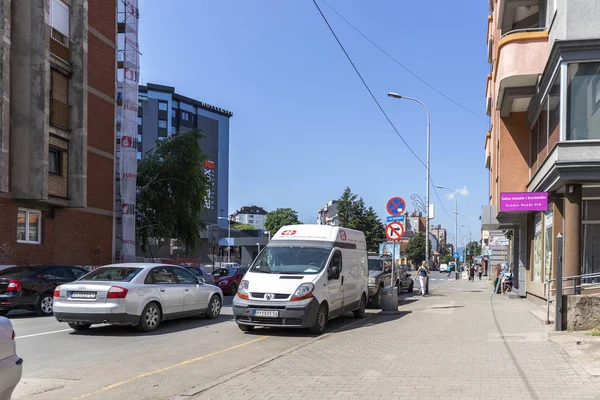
column 109, row 362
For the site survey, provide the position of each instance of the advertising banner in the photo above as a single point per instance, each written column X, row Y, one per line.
column 127, row 131
column 523, row 201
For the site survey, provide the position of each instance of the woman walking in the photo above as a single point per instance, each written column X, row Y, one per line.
column 423, row 274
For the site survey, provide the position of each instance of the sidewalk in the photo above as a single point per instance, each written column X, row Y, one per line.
column 457, row 343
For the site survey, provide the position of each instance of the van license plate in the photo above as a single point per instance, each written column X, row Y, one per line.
column 265, row 313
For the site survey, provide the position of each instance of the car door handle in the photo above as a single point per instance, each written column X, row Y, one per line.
column 187, row 290
column 162, row 289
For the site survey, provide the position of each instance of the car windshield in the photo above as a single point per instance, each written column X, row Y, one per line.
column 225, row 272
column 111, row 274
column 375, row 265
column 291, row 260
column 16, row 272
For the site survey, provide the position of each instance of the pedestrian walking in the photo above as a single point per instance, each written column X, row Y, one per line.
column 423, row 274
column 479, row 270
column 472, row 273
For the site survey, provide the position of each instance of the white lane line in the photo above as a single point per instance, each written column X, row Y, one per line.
column 43, row 333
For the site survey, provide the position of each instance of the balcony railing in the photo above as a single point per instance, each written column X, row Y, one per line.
column 59, row 45
column 59, row 114
column 522, row 31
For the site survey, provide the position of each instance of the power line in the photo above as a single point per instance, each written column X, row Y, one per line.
column 365, row 84
column 377, row 102
column 405, row 67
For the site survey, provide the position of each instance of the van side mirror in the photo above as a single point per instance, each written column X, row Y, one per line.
column 334, row 273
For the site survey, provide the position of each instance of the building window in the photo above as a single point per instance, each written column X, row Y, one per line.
column 162, row 123
column 139, row 138
column 59, row 17
column 174, row 112
column 55, row 161
column 591, row 237
column 583, row 101
column 185, row 116
column 29, row 224
column 548, row 239
column 140, row 121
column 139, row 155
column 163, row 105
column 537, row 248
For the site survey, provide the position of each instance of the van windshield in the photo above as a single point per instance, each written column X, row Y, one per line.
column 291, row 260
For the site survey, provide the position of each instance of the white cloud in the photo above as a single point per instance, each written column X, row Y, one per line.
column 462, row 191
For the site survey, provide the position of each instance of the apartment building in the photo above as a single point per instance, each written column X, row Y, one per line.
column 328, row 215
column 543, row 99
column 252, row 215
column 57, row 113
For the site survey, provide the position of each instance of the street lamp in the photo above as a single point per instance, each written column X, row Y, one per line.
column 397, row 96
column 455, row 193
column 228, row 236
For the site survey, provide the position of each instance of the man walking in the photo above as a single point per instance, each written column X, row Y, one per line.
column 423, row 274
column 479, row 270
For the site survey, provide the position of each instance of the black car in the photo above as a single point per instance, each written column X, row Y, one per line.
column 32, row 287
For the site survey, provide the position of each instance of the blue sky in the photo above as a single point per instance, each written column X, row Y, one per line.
column 304, row 126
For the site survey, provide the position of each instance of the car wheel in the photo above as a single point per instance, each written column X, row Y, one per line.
column 320, row 321
column 214, row 307
column 360, row 312
column 376, row 300
column 246, row 328
column 411, row 287
column 150, row 318
column 43, row 305
column 399, row 286
column 233, row 289
column 79, row 326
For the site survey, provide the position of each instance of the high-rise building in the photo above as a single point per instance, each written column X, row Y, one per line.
column 162, row 113
column 543, row 99
column 328, row 215
column 252, row 215
column 439, row 233
column 57, row 128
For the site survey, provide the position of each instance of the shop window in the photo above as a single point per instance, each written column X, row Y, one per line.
column 29, row 224
column 591, row 238
column 583, row 101
column 548, row 240
column 537, row 248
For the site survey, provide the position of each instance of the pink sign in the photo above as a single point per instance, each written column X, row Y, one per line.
column 523, row 201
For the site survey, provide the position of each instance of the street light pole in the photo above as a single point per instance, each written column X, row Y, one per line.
column 397, row 96
column 455, row 193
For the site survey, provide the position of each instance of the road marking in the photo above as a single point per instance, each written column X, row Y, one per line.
column 43, row 333
column 181, row 364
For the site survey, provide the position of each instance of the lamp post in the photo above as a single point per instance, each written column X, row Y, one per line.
column 397, row 96
column 228, row 237
column 455, row 193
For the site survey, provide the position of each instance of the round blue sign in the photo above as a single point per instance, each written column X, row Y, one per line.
column 396, row 206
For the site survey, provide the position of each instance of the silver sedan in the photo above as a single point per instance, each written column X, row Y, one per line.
column 11, row 366
column 142, row 295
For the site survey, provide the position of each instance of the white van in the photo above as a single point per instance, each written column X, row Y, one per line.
column 306, row 275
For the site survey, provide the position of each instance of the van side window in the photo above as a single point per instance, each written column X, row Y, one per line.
column 336, row 261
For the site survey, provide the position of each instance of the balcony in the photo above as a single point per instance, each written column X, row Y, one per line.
column 519, row 14
column 59, row 114
column 488, row 151
column 59, row 45
column 522, row 56
column 488, row 95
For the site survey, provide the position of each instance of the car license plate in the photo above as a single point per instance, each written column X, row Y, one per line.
column 266, row 313
column 83, row 295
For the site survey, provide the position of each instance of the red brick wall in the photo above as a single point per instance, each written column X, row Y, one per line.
column 101, row 65
column 101, row 124
column 100, row 182
column 105, row 21
column 514, row 153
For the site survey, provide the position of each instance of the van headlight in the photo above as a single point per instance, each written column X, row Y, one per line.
column 243, row 290
column 304, row 291
column 372, row 280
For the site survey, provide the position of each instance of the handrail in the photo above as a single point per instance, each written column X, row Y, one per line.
column 523, row 30
column 575, row 287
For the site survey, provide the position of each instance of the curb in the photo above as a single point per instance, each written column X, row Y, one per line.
column 196, row 390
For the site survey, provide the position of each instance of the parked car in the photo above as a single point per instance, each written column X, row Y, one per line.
column 138, row 294
column 200, row 272
column 451, row 266
column 11, row 365
column 230, row 265
column 228, row 279
column 32, row 287
column 404, row 281
column 443, row 267
column 380, row 275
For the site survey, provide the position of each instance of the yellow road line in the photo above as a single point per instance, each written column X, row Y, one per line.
column 181, row 364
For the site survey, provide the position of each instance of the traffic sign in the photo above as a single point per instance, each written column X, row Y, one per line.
column 394, row 231
column 468, row 252
column 399, row 218
column 455, row 255
column 396, row 206
column 462, row 258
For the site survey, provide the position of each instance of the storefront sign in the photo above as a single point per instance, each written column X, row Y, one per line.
column 523, row 201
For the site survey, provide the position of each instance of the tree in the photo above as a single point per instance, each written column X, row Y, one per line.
column 171, row 191
column 474, row 249
column 415, row 249
column 353, row 215
column 281, row 217
column 243, row 227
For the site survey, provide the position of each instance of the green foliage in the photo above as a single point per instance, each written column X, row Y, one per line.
column 243, row 227
column 171, row 191
column 447, row 259
column 475, row 250
column 281, row 217
column 353, row 215
column 415, row 249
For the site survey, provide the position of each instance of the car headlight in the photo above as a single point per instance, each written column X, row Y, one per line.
column 304, row 291
column 243, row 288
column 372, row 280
column 222, row 283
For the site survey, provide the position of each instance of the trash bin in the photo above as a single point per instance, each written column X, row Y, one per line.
column 389, row 299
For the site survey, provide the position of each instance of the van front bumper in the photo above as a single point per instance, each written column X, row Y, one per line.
column 293, row 314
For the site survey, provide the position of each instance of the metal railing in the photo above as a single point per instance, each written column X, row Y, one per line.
column 59, row 114
column 523, row 30
column 579, row 284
